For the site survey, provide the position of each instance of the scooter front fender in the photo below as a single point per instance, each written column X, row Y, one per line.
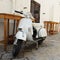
column 21, row 35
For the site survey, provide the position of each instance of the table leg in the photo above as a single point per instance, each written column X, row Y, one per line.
column 8, row 36
column 17, row 22
column 8, row 29
column 5, row 34
column 13, row 28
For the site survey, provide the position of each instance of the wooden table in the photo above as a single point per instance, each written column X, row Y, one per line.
column 50, row 27
column 6, row 18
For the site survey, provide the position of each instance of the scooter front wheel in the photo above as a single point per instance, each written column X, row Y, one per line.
column 17, row 48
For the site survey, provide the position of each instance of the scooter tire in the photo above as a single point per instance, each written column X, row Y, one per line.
column 41, row 41
column 15, row 51
column 17, row 48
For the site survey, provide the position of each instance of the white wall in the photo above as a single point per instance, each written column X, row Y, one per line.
column 44, row 9
column 20, row 4
column 51, row 8
column 8, row 6
column 5, row 6
column 56, row 16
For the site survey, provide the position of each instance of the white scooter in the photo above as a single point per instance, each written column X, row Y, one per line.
column 27, row 32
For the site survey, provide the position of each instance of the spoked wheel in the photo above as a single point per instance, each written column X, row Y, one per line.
column 41, row 41
column 17, row 48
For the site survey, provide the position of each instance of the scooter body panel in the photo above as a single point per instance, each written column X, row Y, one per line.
column 42, row 32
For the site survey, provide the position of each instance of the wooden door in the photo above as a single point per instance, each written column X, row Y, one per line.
column 35, row 10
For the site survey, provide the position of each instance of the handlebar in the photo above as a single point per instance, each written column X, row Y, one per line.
column 21, row 12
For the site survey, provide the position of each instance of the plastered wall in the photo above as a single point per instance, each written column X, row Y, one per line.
column 49, row 11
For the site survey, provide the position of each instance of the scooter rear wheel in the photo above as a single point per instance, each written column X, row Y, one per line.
column 41, row 41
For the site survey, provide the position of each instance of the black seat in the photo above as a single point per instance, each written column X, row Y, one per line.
column 34, row 32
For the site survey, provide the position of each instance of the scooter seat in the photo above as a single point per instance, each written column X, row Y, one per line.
column 40, row 38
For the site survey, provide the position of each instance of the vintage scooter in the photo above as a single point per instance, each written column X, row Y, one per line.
column 26, row 32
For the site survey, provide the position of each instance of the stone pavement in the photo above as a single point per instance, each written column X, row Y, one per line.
column 49, row 50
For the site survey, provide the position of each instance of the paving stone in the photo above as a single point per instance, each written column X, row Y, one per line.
column 7, row 56
column 2, row 53
column 31, row 58
column 56, row 58
column 6, row 59
column 49, row 50
column 20, row 59
column 1, row 47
